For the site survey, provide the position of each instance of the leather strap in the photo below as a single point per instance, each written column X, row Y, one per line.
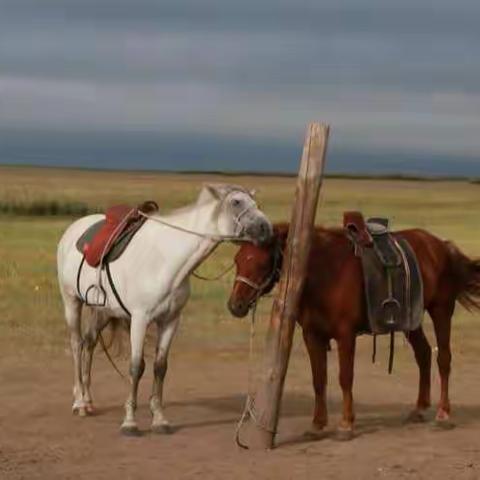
column 114, row 290
column 79, row 272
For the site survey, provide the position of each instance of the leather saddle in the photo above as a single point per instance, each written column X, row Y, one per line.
column 107, row 239
column 392, row 278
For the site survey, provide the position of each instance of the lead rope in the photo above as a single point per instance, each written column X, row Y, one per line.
column 216, row 277
column 250, row 399
column 249, row 409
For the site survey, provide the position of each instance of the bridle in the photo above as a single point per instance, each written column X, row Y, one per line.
column 270, row 279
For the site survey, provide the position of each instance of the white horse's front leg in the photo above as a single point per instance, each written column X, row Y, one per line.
column 166, row 332
column 137, row 367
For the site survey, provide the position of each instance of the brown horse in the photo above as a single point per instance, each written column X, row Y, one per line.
column 333, row 307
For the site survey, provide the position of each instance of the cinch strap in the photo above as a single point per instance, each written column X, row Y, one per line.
column 114, row 290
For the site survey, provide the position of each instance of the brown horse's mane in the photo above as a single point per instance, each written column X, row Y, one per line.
column 280, row 232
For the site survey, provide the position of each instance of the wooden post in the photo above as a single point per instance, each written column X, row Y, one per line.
column 286, row 303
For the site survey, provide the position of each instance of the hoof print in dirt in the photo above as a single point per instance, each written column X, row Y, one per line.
column 416, row 417
column 132, row 431
column 163, row 429
column 443, row 424
column 344, row 435
column 315, row 434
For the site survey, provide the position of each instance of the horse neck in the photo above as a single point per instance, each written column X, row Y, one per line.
column 188, row 249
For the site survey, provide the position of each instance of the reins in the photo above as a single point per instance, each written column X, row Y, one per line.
column 216, row 277
column 209, row 236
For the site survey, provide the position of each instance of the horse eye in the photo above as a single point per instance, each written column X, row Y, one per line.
column 236, row 202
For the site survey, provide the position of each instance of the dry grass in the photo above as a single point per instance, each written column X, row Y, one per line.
column 30, row 308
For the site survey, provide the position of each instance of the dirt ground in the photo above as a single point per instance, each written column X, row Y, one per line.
column 40, row 439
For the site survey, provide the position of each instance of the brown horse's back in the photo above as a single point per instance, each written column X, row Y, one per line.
column 334, row 286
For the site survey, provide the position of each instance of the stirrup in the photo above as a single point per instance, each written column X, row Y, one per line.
column 100, row 298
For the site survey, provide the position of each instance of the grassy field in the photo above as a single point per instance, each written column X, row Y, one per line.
column 30, row 309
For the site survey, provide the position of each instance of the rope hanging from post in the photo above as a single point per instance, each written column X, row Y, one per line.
column 249, row 408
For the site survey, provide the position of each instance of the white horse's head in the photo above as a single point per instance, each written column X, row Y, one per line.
column 238, row 214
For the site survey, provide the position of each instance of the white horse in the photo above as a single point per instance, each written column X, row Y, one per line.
column 152, row 282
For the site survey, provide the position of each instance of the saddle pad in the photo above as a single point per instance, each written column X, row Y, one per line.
column 117, row 247
column 394, row 291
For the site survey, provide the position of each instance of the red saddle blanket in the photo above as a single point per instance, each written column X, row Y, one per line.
column 119, row 220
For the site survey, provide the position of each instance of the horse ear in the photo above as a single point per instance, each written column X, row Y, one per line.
column 221, row 190
column 252, row 193
column 214, row 190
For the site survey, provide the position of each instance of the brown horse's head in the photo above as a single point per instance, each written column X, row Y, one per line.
column 258, row 269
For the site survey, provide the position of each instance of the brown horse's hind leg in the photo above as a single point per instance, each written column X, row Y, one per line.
column 317, row 351
column 346, row 357
column 423, row 356
column 442, row 319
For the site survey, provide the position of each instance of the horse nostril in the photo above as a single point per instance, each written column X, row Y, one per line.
column 238, row 308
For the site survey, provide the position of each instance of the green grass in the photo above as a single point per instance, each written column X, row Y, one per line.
column 31, row 314
column 38, row 208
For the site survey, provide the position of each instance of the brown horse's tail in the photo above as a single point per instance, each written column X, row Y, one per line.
column 466, row 277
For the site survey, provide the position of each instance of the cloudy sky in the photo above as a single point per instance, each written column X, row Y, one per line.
column 217, row 84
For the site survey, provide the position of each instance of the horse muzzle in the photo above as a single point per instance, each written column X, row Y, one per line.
column 238, row 308
column 260, row 231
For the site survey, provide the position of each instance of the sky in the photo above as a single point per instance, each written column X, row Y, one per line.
column 222, row 85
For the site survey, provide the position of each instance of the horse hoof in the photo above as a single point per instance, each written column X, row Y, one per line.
column 442, row 420
column 82, row 412
column 315, row 432
column 415, row 416
column 443, row 424
column 344, row 434
column 130, row 431
column 79, row 410
column 162, row 429
column 90, row 409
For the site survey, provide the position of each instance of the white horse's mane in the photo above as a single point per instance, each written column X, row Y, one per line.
column 205, row 197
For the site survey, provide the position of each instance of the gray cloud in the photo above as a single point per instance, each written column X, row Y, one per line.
column 399, row 76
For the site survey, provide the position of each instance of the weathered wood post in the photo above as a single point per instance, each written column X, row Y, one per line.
column 286, row 302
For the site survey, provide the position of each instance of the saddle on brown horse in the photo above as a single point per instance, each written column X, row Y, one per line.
column 392, row 277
